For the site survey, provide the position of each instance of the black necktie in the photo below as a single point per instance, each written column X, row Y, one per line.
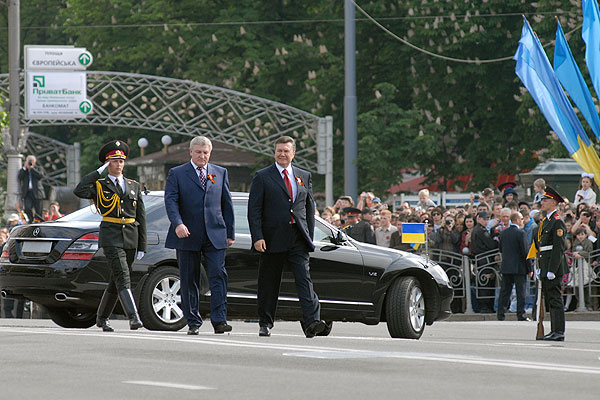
column 119, row 187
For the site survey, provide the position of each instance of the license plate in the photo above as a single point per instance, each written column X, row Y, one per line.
column 36, row 247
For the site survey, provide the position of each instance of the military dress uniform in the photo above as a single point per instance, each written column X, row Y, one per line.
column 551, row 239
column 122, row 232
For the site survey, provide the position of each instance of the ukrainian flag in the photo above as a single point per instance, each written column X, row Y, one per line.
column 413, row 233
column 537, row 75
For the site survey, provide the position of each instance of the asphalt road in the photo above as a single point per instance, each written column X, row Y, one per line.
column 453, row 360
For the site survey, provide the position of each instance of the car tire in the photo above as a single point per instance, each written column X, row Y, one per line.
column 69, row 318
column 405, row 308
column 325, row 332
column 160, row 301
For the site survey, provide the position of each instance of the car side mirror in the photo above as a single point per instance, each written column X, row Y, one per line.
column 339, row 238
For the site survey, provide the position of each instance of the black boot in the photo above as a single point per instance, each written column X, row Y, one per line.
column 105, row 309
column 128, row 304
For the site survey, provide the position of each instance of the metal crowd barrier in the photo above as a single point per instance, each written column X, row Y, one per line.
column 476, row 279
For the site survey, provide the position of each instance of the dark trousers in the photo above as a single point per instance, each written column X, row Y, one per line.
column 32, row 206
column 508, row 280
column 120, row 261
column 270, row 268
column 190, row 269
column 553, row 298
column 9, row 304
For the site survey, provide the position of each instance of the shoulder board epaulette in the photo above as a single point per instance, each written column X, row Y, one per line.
column 556, row 216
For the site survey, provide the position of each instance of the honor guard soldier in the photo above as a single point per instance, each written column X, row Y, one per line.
column 122, row 230
column 351, row 214
column 551, row 239
column 358, row 230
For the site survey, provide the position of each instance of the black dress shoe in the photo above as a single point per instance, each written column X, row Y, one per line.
column 193, row 330
column 104, row 324
column 263, row 331
column 555, row 337
column 222, row 327
column 314, row 328
column 524, row 319
column 501, row 317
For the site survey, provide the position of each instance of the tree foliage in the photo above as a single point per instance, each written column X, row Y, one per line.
column 441, row 118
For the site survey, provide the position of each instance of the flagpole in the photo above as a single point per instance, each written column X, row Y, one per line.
column 426, row 243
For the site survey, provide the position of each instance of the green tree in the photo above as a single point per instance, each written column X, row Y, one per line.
column 391, row 140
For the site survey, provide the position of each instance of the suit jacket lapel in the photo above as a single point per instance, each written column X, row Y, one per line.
column 299, row 187
column 110, row 185
column 278, row 178
column 193, row 175
column 208, row 181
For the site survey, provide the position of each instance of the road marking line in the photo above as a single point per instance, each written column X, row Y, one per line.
column 169, row 385
column 198, row 340
column 576, row 369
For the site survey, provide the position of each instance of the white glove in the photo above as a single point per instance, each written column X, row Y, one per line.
column 102, row 168
column 139, row 255
column 550, row 275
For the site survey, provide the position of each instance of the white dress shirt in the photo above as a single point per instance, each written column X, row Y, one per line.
column 204, row 169
column 290, row 174
column 120, row 180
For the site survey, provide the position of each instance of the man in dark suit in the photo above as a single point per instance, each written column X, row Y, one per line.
column 281, row 215
column 551, row 239
column 515, row 266
column 31, row 190
column 200, row 209
column 482, row 242
column 122, row 233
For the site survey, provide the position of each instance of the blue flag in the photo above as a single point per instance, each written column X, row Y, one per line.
column 591, row 36
column 536, row 73
column 570, row 77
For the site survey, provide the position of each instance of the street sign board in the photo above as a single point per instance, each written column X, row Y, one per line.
column 56, row 95
column 66, row 58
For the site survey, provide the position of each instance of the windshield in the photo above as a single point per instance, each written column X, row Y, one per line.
column 89, row 213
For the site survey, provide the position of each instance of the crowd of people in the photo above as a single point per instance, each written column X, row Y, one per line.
column 29, row 209
column 475, row 228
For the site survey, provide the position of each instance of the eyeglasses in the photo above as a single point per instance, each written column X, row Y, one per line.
column 434, row 214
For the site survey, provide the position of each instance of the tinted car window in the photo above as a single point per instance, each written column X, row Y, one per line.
column 240, row 211
column 89, row 213
column 323, row 234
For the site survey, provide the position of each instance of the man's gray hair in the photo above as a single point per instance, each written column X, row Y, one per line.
column 31, row 157
column 506, row 210
column 200, row 141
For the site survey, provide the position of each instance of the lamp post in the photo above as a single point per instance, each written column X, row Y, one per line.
column 142, row 144
column 166, row 141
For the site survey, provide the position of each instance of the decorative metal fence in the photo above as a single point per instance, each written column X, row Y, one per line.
column 476, row 280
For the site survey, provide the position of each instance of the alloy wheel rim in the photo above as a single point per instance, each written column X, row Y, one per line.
column 166, row 300
column 416, row 309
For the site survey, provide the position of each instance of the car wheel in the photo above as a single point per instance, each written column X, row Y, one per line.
column 325, row 332
column 405, row 308
column 160, row 301
column 69, row 318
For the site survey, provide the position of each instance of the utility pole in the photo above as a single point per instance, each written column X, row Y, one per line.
column 15, row 139
column 350, row 136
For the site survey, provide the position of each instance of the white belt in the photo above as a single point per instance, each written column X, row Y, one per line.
column 546, row 248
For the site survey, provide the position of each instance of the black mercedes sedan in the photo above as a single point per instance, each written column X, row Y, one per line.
column 59, row 266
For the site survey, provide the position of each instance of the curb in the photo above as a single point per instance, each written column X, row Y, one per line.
column 569, row 316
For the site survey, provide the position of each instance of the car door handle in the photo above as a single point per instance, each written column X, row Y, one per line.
column 152, row 238
column 329, row 247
